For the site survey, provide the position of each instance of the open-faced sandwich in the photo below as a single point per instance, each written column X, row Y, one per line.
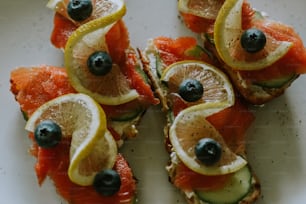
column 70, row 139
column 100, row 60
column 206, row 124
column 78, row 116
column 261, row 56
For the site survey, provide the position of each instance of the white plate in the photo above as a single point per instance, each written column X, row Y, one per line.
column 276, row 141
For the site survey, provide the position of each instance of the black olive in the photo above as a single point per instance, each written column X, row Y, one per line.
column 79, row 10
column 191, row 90
column 253, row 40
column 47, row 134
column 99, row 63
column 208, row 151
column 107, row 182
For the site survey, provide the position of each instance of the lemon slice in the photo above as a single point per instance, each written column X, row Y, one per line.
column 189, row 127
column 203, row 8
column 81, row 118
column 216, row 85
column 85, row 165
column 100, row 8
column 110, row 89
column 227, row 33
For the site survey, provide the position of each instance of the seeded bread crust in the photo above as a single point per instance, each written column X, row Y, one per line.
column 191, row 197
column 150, row 71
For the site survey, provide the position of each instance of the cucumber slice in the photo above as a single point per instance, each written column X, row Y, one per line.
column 25, row 115
column 159, row 65
column 135, row 201
column 170, row 116
column 197, row 51
column 128, row 115
column 277, row 83
column 142, row 74
column 209, row 38
column 235, row 190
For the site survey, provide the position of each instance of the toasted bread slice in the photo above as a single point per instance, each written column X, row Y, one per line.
column 149, row 58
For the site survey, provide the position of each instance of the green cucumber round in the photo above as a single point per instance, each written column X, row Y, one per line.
column 128, row 115
column 278, row 82
column 235, row 189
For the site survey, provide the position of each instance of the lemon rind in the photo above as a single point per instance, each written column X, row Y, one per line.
column 234, row 166
column 76, row 36
column 73, row 97
column 221, row 47
column 206, row 109
column 87, row 180
column 96, row 131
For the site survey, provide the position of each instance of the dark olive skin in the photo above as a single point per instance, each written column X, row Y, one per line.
column 191, row 90
column 47, row 134
column 79, row 10
column 253, row 40
column 208, row 151
column 107, row 182
column 99, row 63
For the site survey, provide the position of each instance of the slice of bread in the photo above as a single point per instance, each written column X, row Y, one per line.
column 148, row 58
